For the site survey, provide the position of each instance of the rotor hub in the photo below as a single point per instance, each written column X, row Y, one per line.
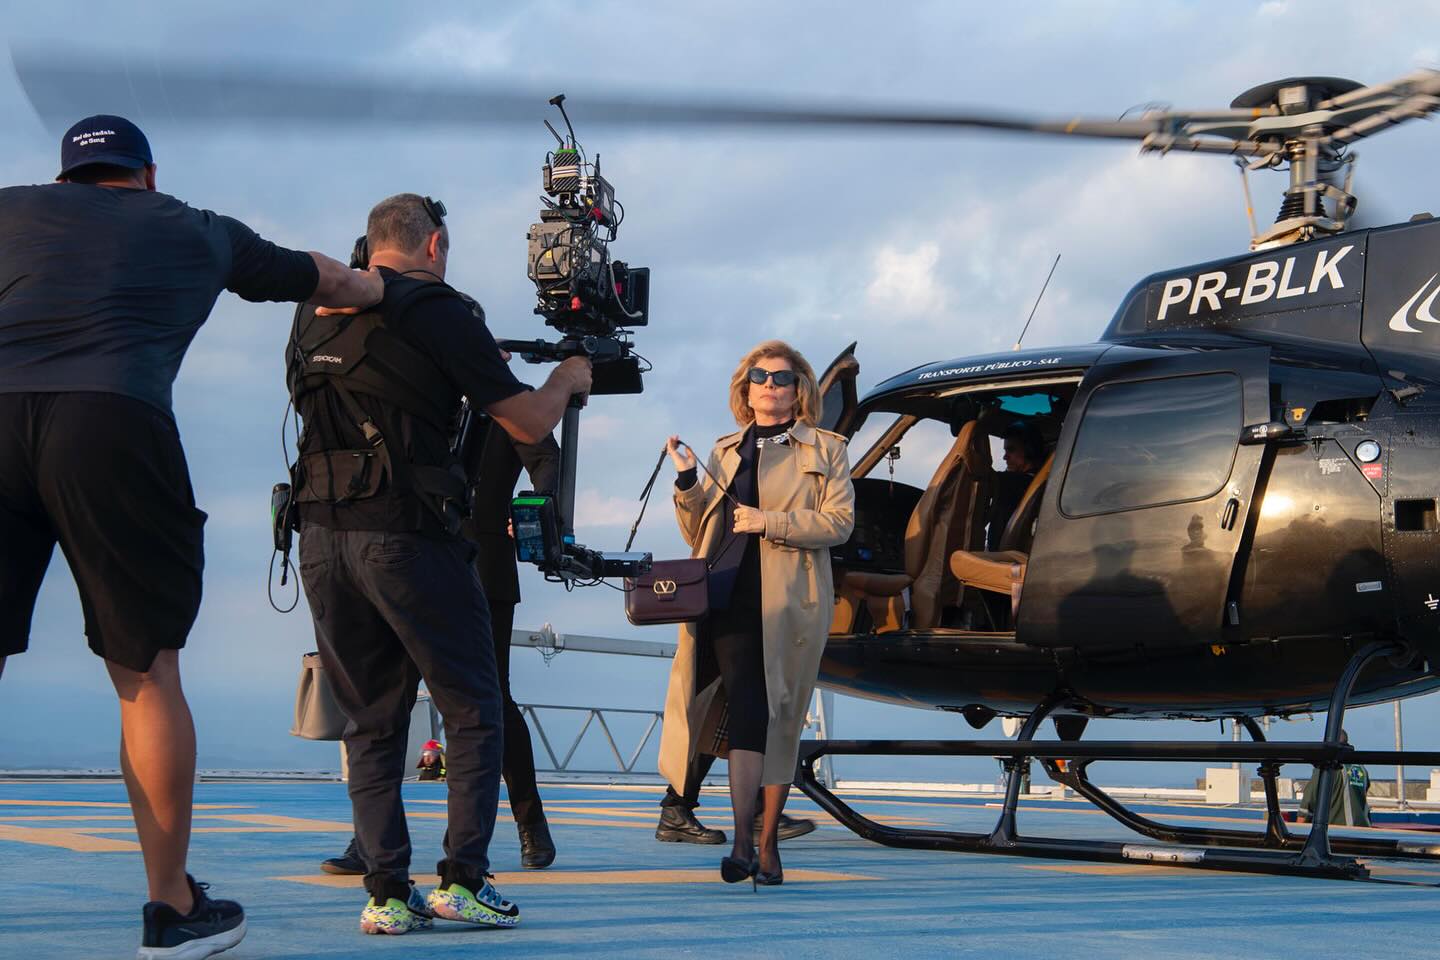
column 1294, row 94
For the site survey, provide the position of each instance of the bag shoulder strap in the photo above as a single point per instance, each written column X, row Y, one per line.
column 650, row 487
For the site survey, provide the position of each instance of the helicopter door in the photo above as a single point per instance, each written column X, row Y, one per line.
column 838, row 392
column 1147, row 503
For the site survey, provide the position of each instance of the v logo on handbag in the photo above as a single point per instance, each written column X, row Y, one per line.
column 674, row 591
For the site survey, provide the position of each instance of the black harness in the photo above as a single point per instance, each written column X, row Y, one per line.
column 362, row 353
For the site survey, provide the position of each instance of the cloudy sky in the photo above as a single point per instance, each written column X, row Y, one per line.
column 920, row 246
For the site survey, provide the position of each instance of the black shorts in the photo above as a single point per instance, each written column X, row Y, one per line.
column 104, row 476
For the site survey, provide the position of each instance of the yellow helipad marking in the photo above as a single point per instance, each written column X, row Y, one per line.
column 98, row 817
column 1258, row 820
column 589, row 878
column 963, row 800
column 613, row 787
column 292, row 823
column 1111, row 869
column 1166, row 816
column 603, row 801
column 605, row 812
column 77, row 816
column 647, row 821
column 256, row 823
column 1389, row 871
column 565, row 821
column 112, row 804
column 66, row 839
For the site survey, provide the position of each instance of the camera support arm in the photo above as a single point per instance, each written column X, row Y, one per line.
column 569, row 464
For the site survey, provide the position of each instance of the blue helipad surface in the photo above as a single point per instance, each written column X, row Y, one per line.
column 71, row 886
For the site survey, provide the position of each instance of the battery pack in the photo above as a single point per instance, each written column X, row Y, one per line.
column 537, row 530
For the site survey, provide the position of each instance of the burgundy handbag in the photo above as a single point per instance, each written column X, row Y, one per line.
column 674, row 591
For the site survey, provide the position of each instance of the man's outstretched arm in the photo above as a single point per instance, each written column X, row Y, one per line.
column 339, row 286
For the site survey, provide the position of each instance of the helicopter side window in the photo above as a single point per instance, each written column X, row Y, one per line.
column 1152, row 442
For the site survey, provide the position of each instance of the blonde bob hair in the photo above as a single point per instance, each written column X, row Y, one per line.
column 808, row 401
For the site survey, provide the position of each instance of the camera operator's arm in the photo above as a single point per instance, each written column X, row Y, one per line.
column 461, row 345
column 530, row 416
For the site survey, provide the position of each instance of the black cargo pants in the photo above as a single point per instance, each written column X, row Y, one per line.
column 390, row 609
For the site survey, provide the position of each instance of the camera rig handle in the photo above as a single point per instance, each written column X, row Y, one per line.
column 569, row 465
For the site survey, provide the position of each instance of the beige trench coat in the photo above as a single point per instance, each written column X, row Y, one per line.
column 809, row 506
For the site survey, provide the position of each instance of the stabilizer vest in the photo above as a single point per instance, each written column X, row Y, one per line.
column 361, row 354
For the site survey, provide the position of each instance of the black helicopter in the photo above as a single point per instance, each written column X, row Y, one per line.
column 1237, row 515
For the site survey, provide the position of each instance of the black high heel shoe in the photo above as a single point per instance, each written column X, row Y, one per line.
column 766, row 879
column 733, row 870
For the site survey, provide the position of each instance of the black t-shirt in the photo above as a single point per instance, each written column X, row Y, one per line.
column 494, row 462
column 103, row 288
column 454, row 337
column 1010, row 487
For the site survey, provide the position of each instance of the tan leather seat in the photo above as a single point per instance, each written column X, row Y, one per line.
column 997, row 571
column 949, row 515
column 1003, row 570
column 881, row 593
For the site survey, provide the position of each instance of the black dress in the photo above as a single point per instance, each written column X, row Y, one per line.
column 731, row 639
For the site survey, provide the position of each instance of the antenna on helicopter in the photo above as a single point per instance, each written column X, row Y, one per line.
column 1043, row 287
column 1249, row 203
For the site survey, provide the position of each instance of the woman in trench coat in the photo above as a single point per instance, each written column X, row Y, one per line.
column 772, row 499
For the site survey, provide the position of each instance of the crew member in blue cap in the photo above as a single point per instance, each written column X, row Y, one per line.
column 103, row 283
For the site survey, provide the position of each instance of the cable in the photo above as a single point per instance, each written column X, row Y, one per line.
column 610, row 270
column 270, row 584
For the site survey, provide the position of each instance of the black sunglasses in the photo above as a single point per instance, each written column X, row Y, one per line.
column 782, row 378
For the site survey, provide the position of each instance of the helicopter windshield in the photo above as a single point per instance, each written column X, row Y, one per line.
column 1028, row 405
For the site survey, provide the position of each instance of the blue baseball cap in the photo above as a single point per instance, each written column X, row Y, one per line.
column 106, row 139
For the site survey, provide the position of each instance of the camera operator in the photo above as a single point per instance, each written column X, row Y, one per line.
column 390, row 582
column 104, row 281
column 493, row 460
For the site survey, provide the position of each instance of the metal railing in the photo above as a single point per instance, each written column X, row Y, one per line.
column 593, row 715
column 819, row 717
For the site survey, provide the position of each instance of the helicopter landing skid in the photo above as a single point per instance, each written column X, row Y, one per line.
column 1274, row 851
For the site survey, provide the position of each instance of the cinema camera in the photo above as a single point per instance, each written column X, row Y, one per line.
column 591, row 300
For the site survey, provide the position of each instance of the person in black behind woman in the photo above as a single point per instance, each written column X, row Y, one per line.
column 499, row 461
column 104, row 282
column 678, row 823
column 1024, row 453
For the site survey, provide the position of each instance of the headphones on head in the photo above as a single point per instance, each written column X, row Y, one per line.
column 360, row 255
column 436, row 211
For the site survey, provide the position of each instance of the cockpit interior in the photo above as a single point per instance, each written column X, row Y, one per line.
column 943, row 525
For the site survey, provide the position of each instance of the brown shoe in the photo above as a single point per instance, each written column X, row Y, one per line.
column 790, row 827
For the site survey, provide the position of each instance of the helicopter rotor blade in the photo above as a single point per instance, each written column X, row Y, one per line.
column 64, row 87
column 1423, row 82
